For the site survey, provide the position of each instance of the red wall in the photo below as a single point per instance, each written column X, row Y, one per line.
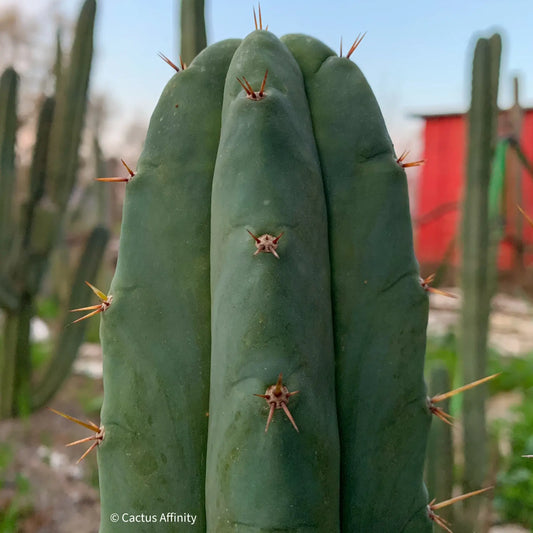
column 440, row 187
column 527, row 184
column 440, row 192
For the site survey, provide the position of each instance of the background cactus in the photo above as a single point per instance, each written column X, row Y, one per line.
column 200, row 321
column 26, row 246
column 475, row 279
column 193, row 38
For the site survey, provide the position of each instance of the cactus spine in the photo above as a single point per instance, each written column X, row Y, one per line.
column 475, row 281
column 266, row 146
column 440, row 460
column 52, row 175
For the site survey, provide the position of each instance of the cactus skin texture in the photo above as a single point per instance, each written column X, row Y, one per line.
column 341, row 314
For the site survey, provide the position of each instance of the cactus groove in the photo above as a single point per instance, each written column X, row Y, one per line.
column 266, row 249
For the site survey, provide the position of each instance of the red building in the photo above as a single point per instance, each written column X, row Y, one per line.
column 440, row 191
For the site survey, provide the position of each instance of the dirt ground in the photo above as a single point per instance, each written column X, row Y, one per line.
column 62, row 497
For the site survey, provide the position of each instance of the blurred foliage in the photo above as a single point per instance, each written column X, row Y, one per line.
column 41, row 353
column 514, row 497
column 442, row 350
column 15, row 504
column 516, row 372
column 48, row 308
column 90, row 397
column 514, row 490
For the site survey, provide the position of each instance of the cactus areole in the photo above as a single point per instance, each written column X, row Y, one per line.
column 266, row 250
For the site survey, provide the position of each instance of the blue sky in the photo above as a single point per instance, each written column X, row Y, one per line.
column 416, row 54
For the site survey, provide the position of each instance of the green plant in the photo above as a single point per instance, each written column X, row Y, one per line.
column 300, row 164
column 27, row 238
column 193, row 36
column 15, row 504
column 475, row 269
column 514, row 497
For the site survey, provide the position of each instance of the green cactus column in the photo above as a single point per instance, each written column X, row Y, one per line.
column 379, row 308
column 8, row 130
column 192, row 29
column 269, row 315
column 156, row 334
column 476, row 288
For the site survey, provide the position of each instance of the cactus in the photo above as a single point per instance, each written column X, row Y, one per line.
column 26, row 247
column 475, row 267
column 264, row 332
column 193, row 36
column 201, row 322
column 8, row 126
